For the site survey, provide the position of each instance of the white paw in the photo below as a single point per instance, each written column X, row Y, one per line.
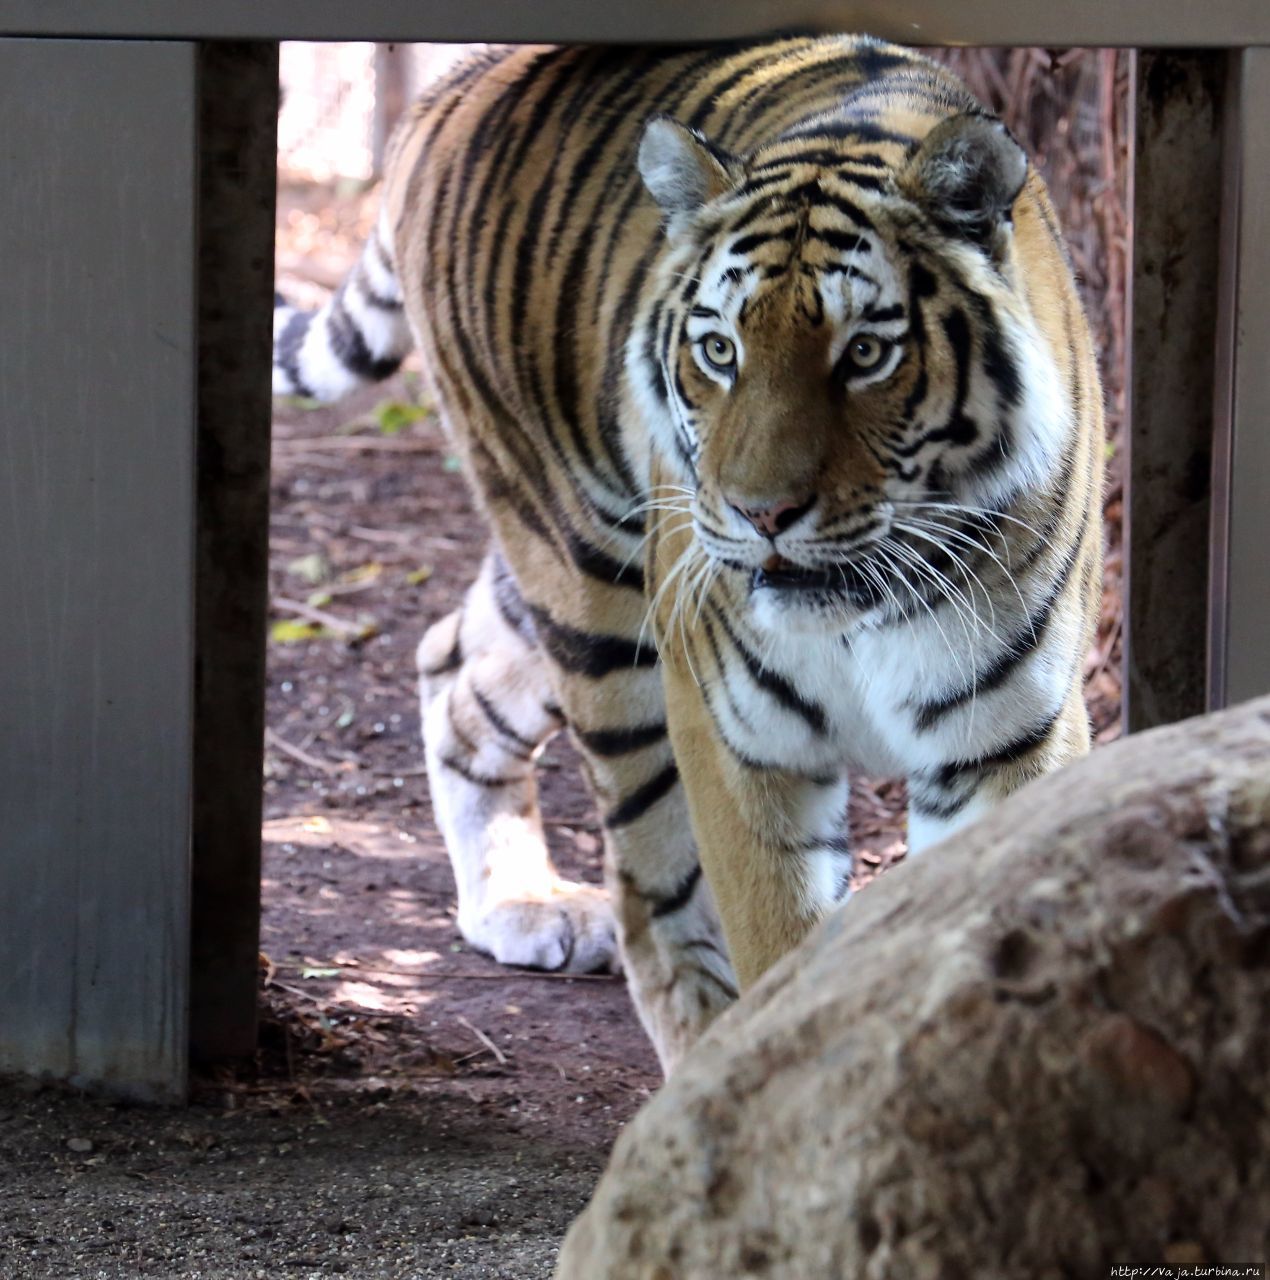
column 571, row 928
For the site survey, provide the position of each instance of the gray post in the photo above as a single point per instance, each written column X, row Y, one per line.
column 237, row 123
column 392, row 97
column 98, row 341
column 1240, row 648
column 1178, row 126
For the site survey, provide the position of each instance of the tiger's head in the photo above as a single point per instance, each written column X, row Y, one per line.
column 839, row 342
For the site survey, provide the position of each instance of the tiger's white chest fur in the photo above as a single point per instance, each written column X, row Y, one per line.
column 874, row 681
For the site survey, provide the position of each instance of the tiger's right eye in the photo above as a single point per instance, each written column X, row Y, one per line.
column 718, row 351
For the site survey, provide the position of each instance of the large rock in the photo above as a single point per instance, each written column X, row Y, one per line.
column 1040, row 1051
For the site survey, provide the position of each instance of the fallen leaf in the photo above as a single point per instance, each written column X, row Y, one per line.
column 292, row 630
column 394, row 415
column 312, row 568
column 363, row 573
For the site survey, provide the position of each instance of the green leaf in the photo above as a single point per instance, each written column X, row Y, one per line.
column 394, row 415
column 419, row 575
column 310, row 972
column 318, row 599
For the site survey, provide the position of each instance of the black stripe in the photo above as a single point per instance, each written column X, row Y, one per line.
column 944, row 807
column 1021, row 645
column 494, row 716
column 843, row 241
column 680, row 896
column 959, row 429
column 854, row 130
column 509, row 602
column 597, row 564
column 589, row 653
column 620, row 97
column 377, row 300
column 759, row 209
column 1009, row 753
column 642, row 798
column 620, row 742
column 349, row 347
column 809, row 81
column 726, row 688
column 757, row 239
column 286, row 353
column 366, row 291
column 845, row 206
column 772, row 683
column 826, row 844
column 764, row 59
column 769, row 180
column 476, row 779
column 961, row 778
column 852, row 273
column 451, row 662
column 651, row 354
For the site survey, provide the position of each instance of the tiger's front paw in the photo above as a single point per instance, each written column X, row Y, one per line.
column 569, row 929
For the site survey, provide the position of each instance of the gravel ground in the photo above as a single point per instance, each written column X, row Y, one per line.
column 381, row 1190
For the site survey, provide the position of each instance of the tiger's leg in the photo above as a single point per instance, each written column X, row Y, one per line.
column 487, row 708
column 673, row 950
column 944, row 800
column 771, row 839
column 610, row 692
column 676, row 962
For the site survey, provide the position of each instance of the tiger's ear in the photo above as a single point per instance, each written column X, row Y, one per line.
column 966, row 174
column 681, row 168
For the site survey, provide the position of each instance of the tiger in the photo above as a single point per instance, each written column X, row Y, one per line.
column 766, row 366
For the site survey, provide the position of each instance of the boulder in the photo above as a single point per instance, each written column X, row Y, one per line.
column 1040, row 1050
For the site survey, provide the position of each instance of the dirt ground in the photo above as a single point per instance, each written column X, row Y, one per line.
column 415, row 1110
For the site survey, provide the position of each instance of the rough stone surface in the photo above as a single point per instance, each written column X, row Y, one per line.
column 1040, row 1050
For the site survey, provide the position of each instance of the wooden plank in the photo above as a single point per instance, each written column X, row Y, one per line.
column 237, row 123
column 1240, row 667
column 1162, row 23
column 97, row 332
column 1178, row 128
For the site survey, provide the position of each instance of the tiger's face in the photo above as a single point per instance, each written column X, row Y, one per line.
column 838, row 365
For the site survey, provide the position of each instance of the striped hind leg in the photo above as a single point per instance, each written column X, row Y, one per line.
column 487, row 708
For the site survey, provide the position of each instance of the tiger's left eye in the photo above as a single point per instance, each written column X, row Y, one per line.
column 866, row 351
column 719, row 351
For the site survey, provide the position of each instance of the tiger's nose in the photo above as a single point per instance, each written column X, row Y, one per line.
column 777, row 517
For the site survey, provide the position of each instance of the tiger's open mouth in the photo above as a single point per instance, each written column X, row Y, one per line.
column 778, row 574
